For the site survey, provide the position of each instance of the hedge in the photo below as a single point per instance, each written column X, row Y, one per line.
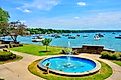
column 111, row 56
column 6, row 56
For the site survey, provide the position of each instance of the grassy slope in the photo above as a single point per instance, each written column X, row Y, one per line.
column 105, row 72
column 38, row 50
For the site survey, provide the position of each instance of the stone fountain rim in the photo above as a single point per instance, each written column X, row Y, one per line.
column 96, row 69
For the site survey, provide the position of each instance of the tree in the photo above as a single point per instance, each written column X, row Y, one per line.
column 46, row 42
column 15, row 29
column 12, row 29
column 4, row 18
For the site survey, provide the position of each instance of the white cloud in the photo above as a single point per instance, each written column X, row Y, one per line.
column 76, row 17
column 40, row 4
column 101, row 20
column 26, row 11
column 23, row 10
column 81, row 4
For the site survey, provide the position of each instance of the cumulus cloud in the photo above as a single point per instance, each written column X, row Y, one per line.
column 81, row 3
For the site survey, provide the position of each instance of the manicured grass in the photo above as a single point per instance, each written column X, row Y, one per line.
column 104, row 73
column 117, row 62
column 38, row 50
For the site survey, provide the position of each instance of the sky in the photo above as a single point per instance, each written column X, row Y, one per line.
column 66, row 14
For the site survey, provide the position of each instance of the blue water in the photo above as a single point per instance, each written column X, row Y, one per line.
column 108, row 41
column 76, row 65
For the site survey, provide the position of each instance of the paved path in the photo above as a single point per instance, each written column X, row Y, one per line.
column 19, row 70
column 116, row 68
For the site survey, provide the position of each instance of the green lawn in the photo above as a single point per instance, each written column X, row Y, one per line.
column 104, row 73
column 117, row 62
column 38, row 50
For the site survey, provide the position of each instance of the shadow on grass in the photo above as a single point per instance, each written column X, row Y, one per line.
column 43, row 51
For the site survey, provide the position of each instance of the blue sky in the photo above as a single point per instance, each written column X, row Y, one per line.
column 66, row 14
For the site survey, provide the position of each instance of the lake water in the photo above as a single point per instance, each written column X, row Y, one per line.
column 108, row 41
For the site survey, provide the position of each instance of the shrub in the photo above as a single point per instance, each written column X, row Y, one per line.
column 105, row 55
column 6, row 56
column 111, row 56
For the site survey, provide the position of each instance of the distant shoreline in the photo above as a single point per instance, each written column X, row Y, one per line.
column 49, row 31
column 100, row 30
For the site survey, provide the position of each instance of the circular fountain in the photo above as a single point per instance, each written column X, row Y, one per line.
column 70, row 65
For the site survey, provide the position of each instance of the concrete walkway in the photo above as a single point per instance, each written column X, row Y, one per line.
column 116, row 68
column 19, row 70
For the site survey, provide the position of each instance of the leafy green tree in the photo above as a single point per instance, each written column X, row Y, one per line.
column 4, row 17
column 46, row 42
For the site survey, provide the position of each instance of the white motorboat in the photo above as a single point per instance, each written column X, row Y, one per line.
column 37, row 39
column 96, row 37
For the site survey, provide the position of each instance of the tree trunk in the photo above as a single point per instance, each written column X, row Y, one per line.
column 46, row 48
column 14, row 38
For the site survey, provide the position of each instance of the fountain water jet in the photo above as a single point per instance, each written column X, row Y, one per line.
column 68, row 64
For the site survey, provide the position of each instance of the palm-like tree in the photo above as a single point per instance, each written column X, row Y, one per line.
column 17, row 28
column 46, row 42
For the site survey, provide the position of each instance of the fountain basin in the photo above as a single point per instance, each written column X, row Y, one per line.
column 75, row 66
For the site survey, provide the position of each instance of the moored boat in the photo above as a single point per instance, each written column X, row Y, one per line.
column 118, row 37
column 96, row 37
column 71, row 37
column 37, row 39
column 78, row 35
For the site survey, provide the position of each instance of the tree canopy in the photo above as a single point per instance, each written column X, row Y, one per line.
column 4, row 15
column 16, row 28
column 46, row 42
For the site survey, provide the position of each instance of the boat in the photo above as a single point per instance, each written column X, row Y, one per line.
column 71, row 37
column 96, row 37
column 118, row 37
column 100, row 35
column 113, row 33
column 78, row 35
column 85, row 35
column 37, row 39
column 57, row 36
column 66, row 35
